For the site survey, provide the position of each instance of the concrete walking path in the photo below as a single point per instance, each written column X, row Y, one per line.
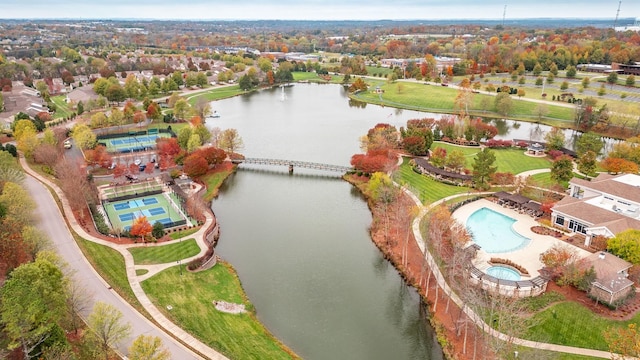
column 134, row 281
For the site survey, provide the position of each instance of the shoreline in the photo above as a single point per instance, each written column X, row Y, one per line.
column 442, row 322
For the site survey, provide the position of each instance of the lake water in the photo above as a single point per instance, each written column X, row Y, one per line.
column 300, row 243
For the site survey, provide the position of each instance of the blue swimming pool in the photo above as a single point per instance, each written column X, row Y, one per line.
column 493, row 231
column 503, row 272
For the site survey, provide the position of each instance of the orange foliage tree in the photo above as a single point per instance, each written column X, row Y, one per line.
column 141, row 227
column 618, row 165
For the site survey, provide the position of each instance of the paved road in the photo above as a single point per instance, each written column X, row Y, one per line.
column 52, row 223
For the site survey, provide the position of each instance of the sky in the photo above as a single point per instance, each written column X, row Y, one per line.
column 316, row 9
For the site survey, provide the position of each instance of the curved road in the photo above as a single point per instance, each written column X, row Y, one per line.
column 53, row 225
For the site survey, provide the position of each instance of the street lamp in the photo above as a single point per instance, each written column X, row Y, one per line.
column 180, row 266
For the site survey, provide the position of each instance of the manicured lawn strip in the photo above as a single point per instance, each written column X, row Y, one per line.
column 110, row 265
column 62, row 108
column 304, row 75
column 182, row 233
column 238, row 336
column 213, row 181
column 427, row 189
column 164, row 254
column 507, row 160
column 217, row 94
column 569, row 323
column 373, row 70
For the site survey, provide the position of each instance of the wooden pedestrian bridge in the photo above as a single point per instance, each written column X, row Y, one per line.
column 291, row 164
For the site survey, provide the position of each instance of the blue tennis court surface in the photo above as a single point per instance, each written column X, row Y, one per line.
column 121, row 206
column 126, row 217
column 150, row 201
column 156, row 211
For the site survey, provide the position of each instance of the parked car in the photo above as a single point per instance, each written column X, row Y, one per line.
column 142, row 167
column 67, row 144
column 137, row 161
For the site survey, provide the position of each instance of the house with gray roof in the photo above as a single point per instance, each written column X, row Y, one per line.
column 604, row 206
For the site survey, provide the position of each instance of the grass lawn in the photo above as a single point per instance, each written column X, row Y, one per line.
column 217, row 94
column 507, row 160
column 164, row 254
column 110, row 265
column 213, row 181
column 238, row 336
column 373, row 70
column 569, row 323
column 182, row 233
column 62, row 108
column 427, row 189
column 304, row 75
column 440, row 99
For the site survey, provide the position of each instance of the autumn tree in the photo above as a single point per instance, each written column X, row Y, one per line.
column 230, row 141
column 384, row 193
column 483, row 168
column 562, row 169
column 438, row 157
column 83, row 136
column 373, row 161
column 195, row 165
column 619, row 166
column 213, row 155
column 33, row 303
column 626, row 245
column 74, row 184
column 557, row 258
column 589, row 141
column 106, row 328
column 147, row 347
column 554, row 139
column 503, row 103
column 587, row 163
column 455, row 160
column 623, row 343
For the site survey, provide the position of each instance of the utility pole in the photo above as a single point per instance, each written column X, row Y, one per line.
column 504, row 14
column 615, row 22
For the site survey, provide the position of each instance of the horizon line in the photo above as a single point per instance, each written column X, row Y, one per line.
column 273, row 19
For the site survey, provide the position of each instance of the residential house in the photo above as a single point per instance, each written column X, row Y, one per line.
column 611, row 284
column 604, row 206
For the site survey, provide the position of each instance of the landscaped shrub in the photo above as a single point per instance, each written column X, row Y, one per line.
column 101, row 225
column 554, row 154
column 501, row 144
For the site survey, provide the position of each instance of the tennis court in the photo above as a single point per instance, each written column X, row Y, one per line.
column 129, row 143
column 156, row 208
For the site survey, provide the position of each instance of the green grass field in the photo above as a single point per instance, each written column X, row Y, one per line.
column 62, row 108
column 216, row 94
column 427, row 189
column 110, row 265
column 213, row 181
column 238, row 336
column 569, row 323
column 164, row 254
column 440, row 99
column 507, row 160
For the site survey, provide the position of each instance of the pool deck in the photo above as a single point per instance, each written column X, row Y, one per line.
column 529, row 255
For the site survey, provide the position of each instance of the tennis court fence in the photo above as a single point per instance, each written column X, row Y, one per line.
column 134, row 196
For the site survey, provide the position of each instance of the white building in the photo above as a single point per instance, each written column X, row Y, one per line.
column 606, row 206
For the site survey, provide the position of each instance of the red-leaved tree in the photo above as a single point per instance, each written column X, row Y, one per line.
column 195, row 165
column 373, row 161
column 141, row 227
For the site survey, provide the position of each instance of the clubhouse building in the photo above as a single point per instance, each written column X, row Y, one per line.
column 604, row 206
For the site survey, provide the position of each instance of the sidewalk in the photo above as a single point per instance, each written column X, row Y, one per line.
column 134, row 281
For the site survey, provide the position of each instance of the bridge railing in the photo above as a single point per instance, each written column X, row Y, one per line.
column 294, row 163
